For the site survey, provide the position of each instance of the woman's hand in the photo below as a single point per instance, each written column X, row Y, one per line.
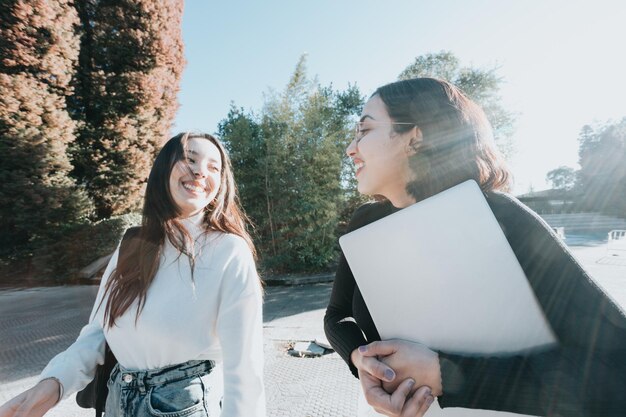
column 408, row 360
column 34, row 402
column 399, row 403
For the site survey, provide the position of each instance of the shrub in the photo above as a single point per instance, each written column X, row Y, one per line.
column 79, row 245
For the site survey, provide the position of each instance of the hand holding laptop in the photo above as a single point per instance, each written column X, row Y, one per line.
column 408, row 360
column 391, row 393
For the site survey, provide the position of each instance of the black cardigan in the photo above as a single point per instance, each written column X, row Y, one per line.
column 584, row 375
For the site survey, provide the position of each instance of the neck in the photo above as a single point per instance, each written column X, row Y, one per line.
column 396, row 189
column 194, row 223
column 401, row 199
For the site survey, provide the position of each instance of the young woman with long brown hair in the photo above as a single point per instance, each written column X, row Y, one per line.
column 415, row 139
column 179, row 303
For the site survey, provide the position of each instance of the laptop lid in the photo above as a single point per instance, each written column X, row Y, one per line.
column 441, row 272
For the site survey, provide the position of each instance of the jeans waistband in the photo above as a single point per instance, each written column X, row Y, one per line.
column 152, row 377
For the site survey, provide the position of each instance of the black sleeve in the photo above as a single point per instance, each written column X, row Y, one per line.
column 341, row 330
column 584, row 374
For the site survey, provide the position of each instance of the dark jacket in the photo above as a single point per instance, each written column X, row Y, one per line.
column 584, row 375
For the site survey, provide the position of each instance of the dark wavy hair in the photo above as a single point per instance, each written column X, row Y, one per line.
column 138, row 263
column 457, row 141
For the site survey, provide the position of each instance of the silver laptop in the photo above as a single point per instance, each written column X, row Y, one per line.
column 442, row 273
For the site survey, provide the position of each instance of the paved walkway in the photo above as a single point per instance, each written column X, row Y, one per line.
column 37, row 323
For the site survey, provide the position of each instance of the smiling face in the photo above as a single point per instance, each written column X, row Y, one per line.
column 381, row 156
column 195, row 181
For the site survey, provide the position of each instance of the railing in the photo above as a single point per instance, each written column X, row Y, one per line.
column 617, row 242
column 560, row 231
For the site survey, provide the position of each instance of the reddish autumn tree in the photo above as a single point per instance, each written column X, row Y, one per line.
column 130, row 64
column 38, row 54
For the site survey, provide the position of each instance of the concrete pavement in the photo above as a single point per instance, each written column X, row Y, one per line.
column 37, row 323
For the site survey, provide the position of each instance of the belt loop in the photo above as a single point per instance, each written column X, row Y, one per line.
column 141, row 382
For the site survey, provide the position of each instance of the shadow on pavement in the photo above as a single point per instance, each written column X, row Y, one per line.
column 287, row 301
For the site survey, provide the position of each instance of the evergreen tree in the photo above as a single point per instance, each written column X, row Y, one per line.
column 242, row 137
column 290, row 166
column 38, row 53
column 481, row 85
column 130, row 64
column 562, row 178
column 603, row 167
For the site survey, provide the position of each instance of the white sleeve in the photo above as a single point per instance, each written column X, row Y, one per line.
column 76, row 366
column 240, row 330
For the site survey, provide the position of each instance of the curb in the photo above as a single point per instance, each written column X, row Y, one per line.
column 292, row 280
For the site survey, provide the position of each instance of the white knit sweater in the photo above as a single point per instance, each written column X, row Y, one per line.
column 218, row 318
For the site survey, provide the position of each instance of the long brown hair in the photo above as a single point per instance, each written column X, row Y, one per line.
column 139, row 261
column 457, row 141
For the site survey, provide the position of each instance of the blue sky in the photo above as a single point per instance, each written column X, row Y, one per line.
column 563, row 62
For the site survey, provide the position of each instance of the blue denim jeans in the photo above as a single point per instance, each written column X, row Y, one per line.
column 186, row 390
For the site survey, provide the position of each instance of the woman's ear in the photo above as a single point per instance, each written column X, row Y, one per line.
column 415, row 141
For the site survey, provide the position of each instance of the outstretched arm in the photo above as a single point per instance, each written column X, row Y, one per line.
column 34, row 402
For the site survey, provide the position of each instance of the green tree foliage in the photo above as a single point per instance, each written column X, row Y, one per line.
column 562, row 178
column 38, row 53
column 130, row 64
column 290, row 167
column 602, row 155
column 481, row 85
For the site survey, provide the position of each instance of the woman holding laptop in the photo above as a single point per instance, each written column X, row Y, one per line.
column 415, row 139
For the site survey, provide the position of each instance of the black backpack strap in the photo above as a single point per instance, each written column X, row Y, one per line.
column 102, row 375
column 130, row 234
